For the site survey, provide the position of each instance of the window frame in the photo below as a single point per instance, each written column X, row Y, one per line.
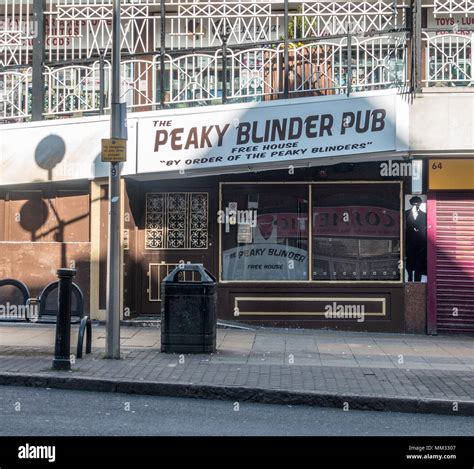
column 310, row 280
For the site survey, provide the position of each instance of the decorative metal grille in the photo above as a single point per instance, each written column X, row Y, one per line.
column 380, row 62
column 176, row 220
column 451, row 7
column 203, row 23
column 193, row 77
column 139, row 83
column 81, row 29
column 449, row 60
column 14, row 95
column 316, row 19
column 255, row 72
column 74, row 89
column 320, row 67
column 17, row 31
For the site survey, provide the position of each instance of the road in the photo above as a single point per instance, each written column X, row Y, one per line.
column 37, row 412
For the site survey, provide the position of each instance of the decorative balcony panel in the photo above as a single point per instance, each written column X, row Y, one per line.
column 225, row 49
column 15, row 95
column 138, row 88
column 17, row 31
column 318, row 68
column 316, row 19
column 192, row 78
column 83, row 28
column 449, row 60
column 453, row 7
column 74, row 89
column 379, row 62
column 255, row 73
column 205, row 23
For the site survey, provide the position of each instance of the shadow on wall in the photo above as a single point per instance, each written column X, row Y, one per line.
column 49, row 153
column 45, row 215
column 29, row 219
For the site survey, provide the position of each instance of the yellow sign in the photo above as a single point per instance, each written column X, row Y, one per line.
column 114, row 150
column 451, row 174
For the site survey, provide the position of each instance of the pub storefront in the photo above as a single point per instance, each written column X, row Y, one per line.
column 319, row 247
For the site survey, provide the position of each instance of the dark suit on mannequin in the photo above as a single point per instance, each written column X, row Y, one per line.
column 415, row 241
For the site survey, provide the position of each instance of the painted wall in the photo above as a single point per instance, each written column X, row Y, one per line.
column 442, row 122
column 59, row 150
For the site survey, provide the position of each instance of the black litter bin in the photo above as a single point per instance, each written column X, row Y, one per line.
column 188, row 312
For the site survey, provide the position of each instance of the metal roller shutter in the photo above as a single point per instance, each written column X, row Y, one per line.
column 451, row 262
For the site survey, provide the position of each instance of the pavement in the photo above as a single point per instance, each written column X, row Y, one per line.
column 348, row 370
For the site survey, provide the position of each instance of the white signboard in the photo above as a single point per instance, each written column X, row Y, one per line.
column 450, row 24
column 285, row 130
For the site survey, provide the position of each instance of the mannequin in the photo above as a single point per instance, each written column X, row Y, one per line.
column 415, row 240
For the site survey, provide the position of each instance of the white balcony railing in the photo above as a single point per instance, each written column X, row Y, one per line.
column 449, row 60
column 225, row 50
column 79, row 29
column 15, row 95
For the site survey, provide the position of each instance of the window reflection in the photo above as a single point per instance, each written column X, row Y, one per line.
column 356, row 232
column 276, row 246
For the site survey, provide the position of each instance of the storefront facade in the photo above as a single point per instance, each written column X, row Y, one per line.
column 307, row 211
column 287, row 251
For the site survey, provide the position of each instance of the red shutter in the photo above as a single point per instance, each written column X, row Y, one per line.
column 452, row 257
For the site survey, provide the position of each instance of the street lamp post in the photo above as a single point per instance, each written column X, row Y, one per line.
column 113, row 249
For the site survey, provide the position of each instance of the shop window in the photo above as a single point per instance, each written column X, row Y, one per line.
column 264, row 231
column 176, row 220
column 356, row 232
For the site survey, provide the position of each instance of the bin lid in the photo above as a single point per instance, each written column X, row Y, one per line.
column 206, row 276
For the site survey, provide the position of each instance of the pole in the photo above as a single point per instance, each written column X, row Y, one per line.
column 37, row 84
column 62, row 347
column 113, row 251
column 101, row 84
column 349, row 59
column 417, row 45
column 162, row 52
column 224, row 68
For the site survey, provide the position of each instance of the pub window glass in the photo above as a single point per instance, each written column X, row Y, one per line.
column 356, row 232
column 264, row 232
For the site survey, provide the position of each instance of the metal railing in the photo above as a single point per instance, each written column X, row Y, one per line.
column 448, row 59
column 85, row 329
column 15, row 94
column 78, row 29
column 212, row 76
column 189, row 53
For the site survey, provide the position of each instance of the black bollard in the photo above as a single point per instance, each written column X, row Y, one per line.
column 62, row 349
